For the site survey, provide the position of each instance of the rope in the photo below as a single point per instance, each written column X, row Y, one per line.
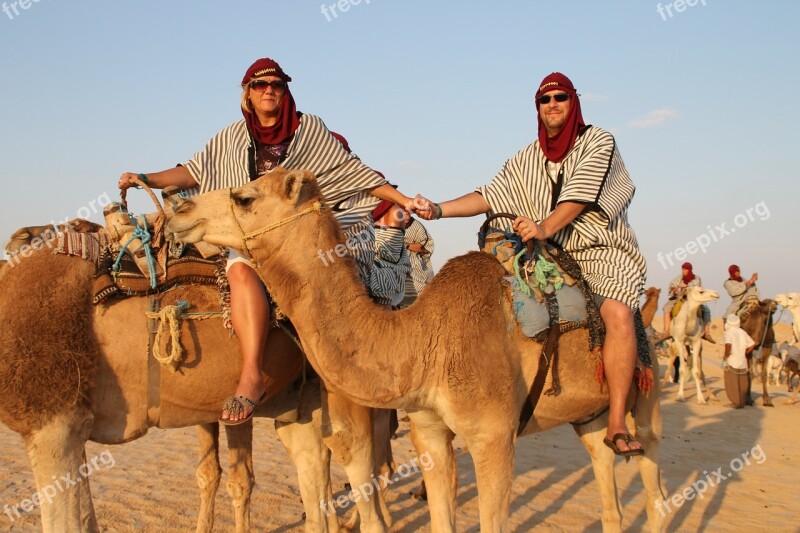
column 317, row 206
column 170, row 318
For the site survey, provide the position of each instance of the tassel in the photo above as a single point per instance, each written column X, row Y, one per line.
column 599, row 371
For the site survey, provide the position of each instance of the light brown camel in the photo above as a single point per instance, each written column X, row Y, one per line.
column 455, row 360
column 650, row 305
column 71, row 372
column 757, row 322
column 687, row 334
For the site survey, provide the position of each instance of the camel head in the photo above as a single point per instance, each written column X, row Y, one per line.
column 225, row 216
column 47, row 233
column 652, row 292
column 701, row 295
column 789, row 300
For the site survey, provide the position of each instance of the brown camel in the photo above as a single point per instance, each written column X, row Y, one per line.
column 757, row 322
column 650, row 305
column 72, row 372
column 455, row 360
column 39, row 236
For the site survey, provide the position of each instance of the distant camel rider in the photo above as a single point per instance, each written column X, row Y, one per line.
column 677, row 293
column 739, row 290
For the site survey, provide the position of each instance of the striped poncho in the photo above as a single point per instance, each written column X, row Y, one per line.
column 344, row 180
column 599, row 239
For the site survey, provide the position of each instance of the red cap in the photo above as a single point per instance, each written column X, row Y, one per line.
column 264, row 67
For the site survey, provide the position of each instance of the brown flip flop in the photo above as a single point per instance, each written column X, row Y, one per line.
column 235, row 405
column 627, row 438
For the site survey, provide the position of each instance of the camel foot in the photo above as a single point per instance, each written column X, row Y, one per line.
column 680, row 399
column 768, row 403
column 421, row 494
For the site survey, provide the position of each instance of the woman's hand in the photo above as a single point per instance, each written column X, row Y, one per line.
column 424, row 208
column 527, row 228
column 126, row 180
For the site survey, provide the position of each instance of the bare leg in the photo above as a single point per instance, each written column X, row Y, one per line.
column 619, row 355
column 250, row 317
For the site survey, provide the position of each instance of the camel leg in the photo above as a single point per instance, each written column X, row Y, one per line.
column 493, row 455
column 240, row 472
column 303, row 443
column 681, row 348
column 347, row 431
column 697, row 371
column 384, row 460
column 433, row 438
column 591, row 435
column 648, row 427
column 208, row 474
column 58, row 460
column 766, row 350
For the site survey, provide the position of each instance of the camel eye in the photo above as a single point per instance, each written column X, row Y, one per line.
column 243, row 202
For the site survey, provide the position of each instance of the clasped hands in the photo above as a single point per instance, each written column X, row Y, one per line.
column 427, row 210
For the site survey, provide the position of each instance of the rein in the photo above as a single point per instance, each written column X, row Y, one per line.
column 317, row 206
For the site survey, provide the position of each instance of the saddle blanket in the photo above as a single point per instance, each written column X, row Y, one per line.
column 533, row 316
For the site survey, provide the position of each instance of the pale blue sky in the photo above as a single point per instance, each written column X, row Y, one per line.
column 437, row 95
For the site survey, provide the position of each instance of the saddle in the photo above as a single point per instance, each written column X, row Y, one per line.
column 541, row 271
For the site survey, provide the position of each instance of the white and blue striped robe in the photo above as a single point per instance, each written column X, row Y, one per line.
column 599, row 239
column 344, row 180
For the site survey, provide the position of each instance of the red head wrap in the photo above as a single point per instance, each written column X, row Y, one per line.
column 690, row 276
column 734, row 273
column 287, row 114
column 556, row 148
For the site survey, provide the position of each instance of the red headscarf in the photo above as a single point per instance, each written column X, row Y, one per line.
column 690, row 276
column 287, row 114
column 734, row 273
column 556, row 148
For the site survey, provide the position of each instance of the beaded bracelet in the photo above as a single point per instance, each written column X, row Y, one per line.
column 144, row 179
column 441, row 213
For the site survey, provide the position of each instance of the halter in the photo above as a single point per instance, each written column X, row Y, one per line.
column 316, row 206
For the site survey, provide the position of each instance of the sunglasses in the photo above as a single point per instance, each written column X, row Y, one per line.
column 261, row 85
column 560, row 97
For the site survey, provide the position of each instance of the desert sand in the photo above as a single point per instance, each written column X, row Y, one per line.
column 149, row 484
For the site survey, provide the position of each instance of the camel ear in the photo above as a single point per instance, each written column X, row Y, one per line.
column 300, row 186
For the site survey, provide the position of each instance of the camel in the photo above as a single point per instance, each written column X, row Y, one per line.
column 791, row 302
column 650, row 305
column 456, row 360
column 38, row 236
column 71, row 372
column 757, row 322
column 687, row 330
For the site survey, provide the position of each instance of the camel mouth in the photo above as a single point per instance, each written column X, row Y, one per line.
column 188, row 231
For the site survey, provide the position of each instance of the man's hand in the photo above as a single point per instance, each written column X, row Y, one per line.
column 527, row 228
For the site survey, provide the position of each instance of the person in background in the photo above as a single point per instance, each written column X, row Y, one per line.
column 677, row 292
column 738, row 347
column 739, row 290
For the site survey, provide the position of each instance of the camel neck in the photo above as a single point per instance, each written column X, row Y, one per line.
column 357, row 346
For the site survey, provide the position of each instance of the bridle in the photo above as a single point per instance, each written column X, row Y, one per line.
column 317, row 206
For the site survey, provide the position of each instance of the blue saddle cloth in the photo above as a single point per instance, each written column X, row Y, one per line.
column 533, row 316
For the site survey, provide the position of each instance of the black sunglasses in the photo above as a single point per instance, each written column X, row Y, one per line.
column 261, row 85
column 560, row 97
